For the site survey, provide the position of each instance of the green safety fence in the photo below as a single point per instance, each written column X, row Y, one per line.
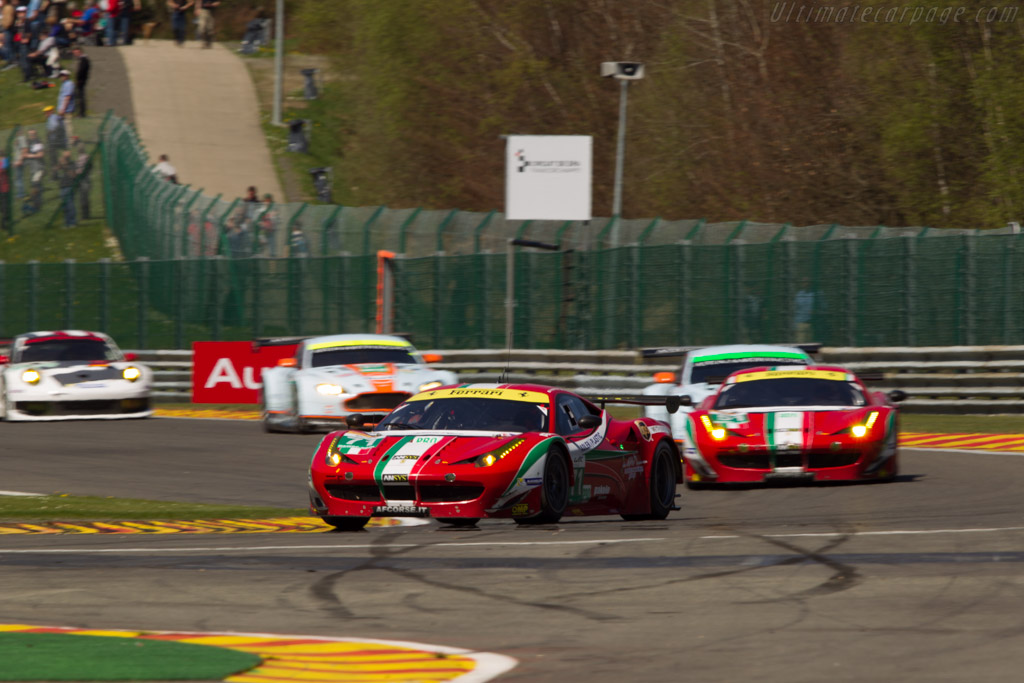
column 922, row 291
column 215, row 268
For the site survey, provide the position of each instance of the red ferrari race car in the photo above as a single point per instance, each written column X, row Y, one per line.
column 527, row 452
column 818, row 423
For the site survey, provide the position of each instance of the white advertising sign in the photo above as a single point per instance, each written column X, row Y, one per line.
column 547, row 177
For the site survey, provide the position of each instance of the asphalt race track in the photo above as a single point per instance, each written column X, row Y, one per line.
column 918, row 580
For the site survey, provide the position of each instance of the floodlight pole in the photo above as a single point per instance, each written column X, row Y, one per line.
column 620, row 155
column 278, row 63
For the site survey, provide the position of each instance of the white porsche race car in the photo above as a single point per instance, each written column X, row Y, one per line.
column 705, row 368
column 72, row 374
column 332, row 377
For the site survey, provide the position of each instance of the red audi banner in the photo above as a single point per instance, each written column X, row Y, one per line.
column 232, row 372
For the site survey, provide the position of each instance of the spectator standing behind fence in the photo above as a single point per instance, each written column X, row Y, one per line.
column 206, row 20
column 111, row 9
column 804, row 304
column 7, row 15
column 125, row 15
column 66, row 102
column 35, row 167
column 18, row 163
column 164, row 169
column 268, row 227
column 178, row 18
column 54, row 135
column 81, row 78
column 83, row 167
column 66, row 172
column 298, row 245
column 5, row 192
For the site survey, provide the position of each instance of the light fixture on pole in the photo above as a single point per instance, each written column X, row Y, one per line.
column 624, row 72
column 275, row 117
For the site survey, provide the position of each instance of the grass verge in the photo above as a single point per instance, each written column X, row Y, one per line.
column 66, row 657
column 94, row 508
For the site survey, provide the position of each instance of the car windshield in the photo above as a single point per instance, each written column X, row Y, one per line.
column 66, row 350
column 353, row 355
column 795, row 392
column 483, row 414
column 718, row 370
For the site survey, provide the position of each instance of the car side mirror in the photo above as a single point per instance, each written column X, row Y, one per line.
column 287, row 363
column 432, row 358
column 665, row 377
column 590, row 421
column 897, row 395
column 355, row 420
column 131, row 356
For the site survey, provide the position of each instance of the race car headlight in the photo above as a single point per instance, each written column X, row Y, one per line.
column 329, row 390
column 131, row 374
column 488, row 459
column 430, row 385
column 335, row 457
column 860, row 431
column 30, row 377
column 717, row 433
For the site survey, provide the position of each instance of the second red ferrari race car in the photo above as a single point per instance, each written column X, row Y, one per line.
column 818, row 423
column 527, row 452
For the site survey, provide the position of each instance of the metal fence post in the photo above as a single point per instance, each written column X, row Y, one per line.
column 403, row 227
column 69, row 293
column 105, row 294
column 440, row 230
column 33, row 295
column 4, row 332
column 479, row 229
column 143, row 299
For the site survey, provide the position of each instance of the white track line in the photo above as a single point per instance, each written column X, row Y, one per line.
column 895, row 532
column 201, row 549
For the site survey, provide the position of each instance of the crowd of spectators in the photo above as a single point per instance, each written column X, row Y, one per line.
column 59, row 160
column 251, row 229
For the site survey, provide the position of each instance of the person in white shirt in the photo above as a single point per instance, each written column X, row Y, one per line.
column 164, row 169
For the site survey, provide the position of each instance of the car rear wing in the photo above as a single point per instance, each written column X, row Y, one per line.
column 258, row 344
column 668, row 351
column 669, row 402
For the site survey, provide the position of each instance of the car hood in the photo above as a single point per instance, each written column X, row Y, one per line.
column 370, row 370
column 777, row 422
column 64, row 365
column 451, row 446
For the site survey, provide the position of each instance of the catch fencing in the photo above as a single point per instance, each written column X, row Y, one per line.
column 203, row 268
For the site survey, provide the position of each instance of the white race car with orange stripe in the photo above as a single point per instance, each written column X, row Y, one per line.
column 332, row 377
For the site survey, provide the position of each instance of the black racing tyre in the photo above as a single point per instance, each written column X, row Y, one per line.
column 554, row 492
column 459, row 521
column 346, row 523
column 662, row 489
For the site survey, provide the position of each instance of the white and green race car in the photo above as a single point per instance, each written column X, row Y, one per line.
column 705, row 368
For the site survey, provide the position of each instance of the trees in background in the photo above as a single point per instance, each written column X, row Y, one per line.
column 743, row 114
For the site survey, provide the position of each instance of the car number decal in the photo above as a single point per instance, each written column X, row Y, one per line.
column 403, row 456
column 784, row 431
